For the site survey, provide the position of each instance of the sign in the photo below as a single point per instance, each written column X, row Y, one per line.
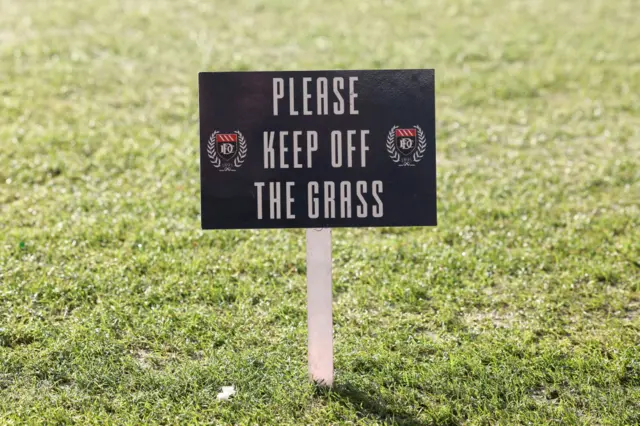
column 317, row 149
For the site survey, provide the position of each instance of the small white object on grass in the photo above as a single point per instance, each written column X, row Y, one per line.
column 227, row 392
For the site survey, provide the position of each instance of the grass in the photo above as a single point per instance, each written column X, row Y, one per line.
column 521, row 307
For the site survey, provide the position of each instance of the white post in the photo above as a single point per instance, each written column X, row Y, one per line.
column 319, row 300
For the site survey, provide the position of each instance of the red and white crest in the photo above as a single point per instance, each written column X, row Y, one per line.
column 227, row 145
column 227, row 151
column 406, row 141
column 406, row 146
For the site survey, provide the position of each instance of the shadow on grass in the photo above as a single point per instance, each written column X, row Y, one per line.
column 369, row 404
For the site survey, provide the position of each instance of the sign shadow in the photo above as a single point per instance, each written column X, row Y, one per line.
column 370, row 403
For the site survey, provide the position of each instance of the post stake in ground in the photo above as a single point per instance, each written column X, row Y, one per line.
column 319, row 309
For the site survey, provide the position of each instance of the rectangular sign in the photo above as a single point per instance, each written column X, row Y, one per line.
column 317, row 149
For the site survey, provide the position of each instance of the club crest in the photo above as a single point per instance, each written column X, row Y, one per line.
column 406, row 146
column 227, row 151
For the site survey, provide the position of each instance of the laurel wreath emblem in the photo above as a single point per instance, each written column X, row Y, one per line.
column 391, row 145
column 417, row 154
column 219, row 162
column 211, row 150
column 242, row 150
column 422, row 145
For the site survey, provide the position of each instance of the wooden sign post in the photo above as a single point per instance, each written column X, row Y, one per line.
column 317, row 150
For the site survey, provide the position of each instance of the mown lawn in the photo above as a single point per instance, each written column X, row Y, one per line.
column 521, row 307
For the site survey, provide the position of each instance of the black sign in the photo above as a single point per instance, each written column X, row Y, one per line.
column 317, row 149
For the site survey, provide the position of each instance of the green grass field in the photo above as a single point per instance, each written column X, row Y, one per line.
column 521, row 307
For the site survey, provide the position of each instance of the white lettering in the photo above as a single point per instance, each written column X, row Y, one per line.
column 283, row 150
column 305, row 95
column 269, row 152
column 289, row 185
column 312, row 145
column 278, row 93
column 376, row 189
column 323, row 98
column 363, row 147
column 352, row 95
column 292, row 107
column 313, row 207
column 274, row 200
column 340, row 92
column 350, row 147
column 338, row 106
column 259, row 185
column 296, row 149
column 361, row 187
column 345, row 199
column 336, row 149
column 329, row 200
